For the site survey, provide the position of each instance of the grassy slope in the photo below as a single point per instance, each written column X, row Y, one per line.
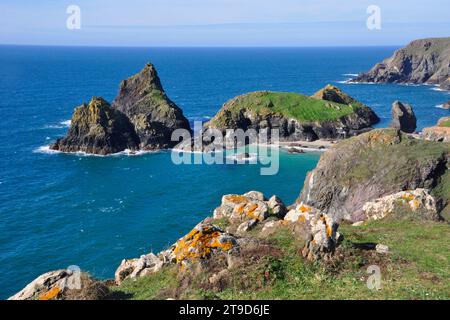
column 418, row 267
column 292, row 105
column 445, row 123
column 378, row 157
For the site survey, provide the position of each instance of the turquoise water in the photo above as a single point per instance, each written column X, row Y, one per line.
column 57, row 209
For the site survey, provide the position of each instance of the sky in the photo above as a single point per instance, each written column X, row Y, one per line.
column 265, row 23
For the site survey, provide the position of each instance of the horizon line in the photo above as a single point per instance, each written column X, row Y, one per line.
column 197, row 46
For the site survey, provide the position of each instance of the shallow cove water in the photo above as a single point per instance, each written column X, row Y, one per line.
column 58, row 209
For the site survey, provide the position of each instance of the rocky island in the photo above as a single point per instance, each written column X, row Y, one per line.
column 154, row 116
column 141, row 117
column 329, row 114
column 98, row 128
column 425, row 61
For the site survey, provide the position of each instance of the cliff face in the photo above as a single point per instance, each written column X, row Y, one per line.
column 98, row 129
column 153, row 114
column 373, row 165
column 422, row 61
column 329, row 114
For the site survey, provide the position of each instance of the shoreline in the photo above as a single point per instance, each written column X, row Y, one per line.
column 306, row 146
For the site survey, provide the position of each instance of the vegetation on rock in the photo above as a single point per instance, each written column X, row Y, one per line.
column 99, row 129
column 154, row 116
column 329, row 114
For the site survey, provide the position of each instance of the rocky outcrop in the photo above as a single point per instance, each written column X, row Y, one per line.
column 446, row 105
column 439, row 132
column 154, row 116
column 330, row 114
column 371, row 166
column 419, row 202
column 134, row 268
column 98, row 128
column 422, row 61
column 403, row 117
column 318, row 229
column 201, row 243
column 63, row 285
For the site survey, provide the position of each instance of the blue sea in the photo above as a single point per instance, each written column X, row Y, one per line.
column 58, row 210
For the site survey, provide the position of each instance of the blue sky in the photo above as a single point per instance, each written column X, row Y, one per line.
column 222, row 22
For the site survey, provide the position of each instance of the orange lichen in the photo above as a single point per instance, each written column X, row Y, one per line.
column 199, row 243
column 414, row 204
column 236, row 198
column 327, row 227
column 303, row 208
column 240, row 209
column 51, row 294
column 301, row 218
column 251, row 211
column 408, row 197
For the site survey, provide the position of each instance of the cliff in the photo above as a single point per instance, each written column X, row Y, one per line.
column 373, row 165
column 425, row 61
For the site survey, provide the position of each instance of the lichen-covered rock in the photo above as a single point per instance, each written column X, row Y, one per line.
column 318, row 229
column 370, row 166
column 153, row 114
column 439, row 132
column 421, row 61
column 418, row 201
column 98, row 129
column 201, row 243
column 403, row 117
column 243, row 207
column 67, row 284
column 47, row 286
column 138, row 267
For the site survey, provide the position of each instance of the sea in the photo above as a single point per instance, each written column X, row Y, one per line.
column 58, row 209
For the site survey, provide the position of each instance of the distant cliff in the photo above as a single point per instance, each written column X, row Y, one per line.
column 425, row 61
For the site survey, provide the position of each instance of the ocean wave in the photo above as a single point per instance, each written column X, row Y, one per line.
column 350, row 74
column 437, row 88
column 66, row 123
column 60, row 125
column 46, row 149
column 252, row 157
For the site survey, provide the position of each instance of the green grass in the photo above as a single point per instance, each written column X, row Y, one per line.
column 291, row 105
column 417, row 267
column 445, row 123
column 376, row 158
